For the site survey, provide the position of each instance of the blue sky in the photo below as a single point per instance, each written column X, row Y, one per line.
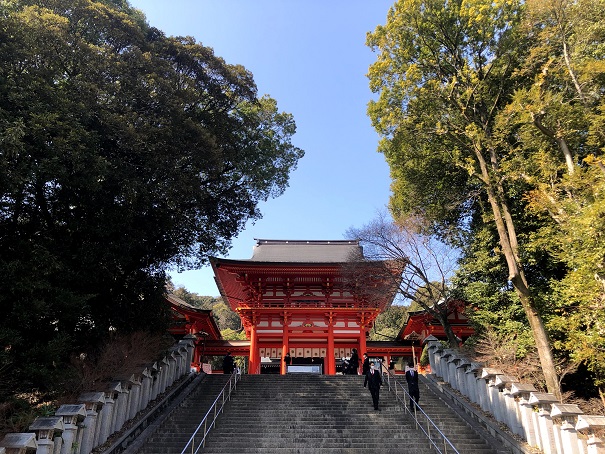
column 309, row 55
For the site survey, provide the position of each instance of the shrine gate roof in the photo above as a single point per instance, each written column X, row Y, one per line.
column 188, row 319
column 311, row 251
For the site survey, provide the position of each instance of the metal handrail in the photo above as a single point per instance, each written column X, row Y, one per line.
column 215, row 410
column 423, row 422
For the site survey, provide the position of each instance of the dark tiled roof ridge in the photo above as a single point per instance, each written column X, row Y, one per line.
column 274, row 241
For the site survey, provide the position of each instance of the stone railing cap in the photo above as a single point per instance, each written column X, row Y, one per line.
column 430, row 338
column 590, row 422
column 565, row 410
column 464, row 362
column 488, row 372
column 542, row 398
column 505, row 379
column 521, row 388
column 19, row 440
column 113, row 386
column 47, row 423
column 97, row 397
column 71, row 410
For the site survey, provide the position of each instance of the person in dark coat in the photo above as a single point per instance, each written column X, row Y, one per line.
column 365, row 367
column 287, row 360
column 228, row 364
column 353, row 362
column 373, row 381
column 411, row 377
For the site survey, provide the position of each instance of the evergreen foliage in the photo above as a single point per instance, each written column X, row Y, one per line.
column 491, row 116
column 123, row 153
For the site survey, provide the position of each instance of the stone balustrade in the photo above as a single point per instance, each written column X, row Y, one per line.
column 79, row 428
column 539, row 418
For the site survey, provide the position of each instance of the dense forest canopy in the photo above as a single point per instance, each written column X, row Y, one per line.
column 123, row 153
column 491, row 118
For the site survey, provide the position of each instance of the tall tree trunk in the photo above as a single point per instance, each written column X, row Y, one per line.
column 508, row 241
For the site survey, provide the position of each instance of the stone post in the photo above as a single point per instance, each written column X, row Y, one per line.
column 471, row 381
column 452, row 366
column 155, row 381
column 109, row 411
column 507, row 401
column 172, row 363
column 72, row 416
column 189, row 340
column 439, row 361
column 493, row 399
column 591, row 426
column 522, row 391
column 546, row 438
column 134, row 398
column 121, row 406
column 445, row 365
column 463, row 365
column 19, row 443
column 482, row 390
column 565, row 417
column 47, row 429
column 93, row 402
column 164, row 370
column 145, row 388
column 184, row 366
column 432, row 345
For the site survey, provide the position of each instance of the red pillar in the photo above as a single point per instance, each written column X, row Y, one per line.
column 362, row 340
column 254, row 366
column 330, row 360
column 285, row 348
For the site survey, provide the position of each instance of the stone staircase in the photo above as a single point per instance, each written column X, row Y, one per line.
column 465, row 438
column 305, row 413
column 174, row 432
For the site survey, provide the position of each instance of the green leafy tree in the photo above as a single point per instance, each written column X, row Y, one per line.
column 443, row 73
column 388, row 324
column 123, row 153
column 557, row 123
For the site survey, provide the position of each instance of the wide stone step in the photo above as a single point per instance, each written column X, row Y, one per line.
column 309, row 414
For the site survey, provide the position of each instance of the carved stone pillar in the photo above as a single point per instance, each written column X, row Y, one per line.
column 493, row 399
column 565, row 417
column 507, row 405
column 19, row 443
column 591, row 426
column 91, row 428
column 471, row 381
column 134, row 401
column 546, row 438
column 521, row 392
column 445, row 365
column 47, row 429
column 461, row 368
column 432, row 346
column 72, row 416
column 108, row 412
